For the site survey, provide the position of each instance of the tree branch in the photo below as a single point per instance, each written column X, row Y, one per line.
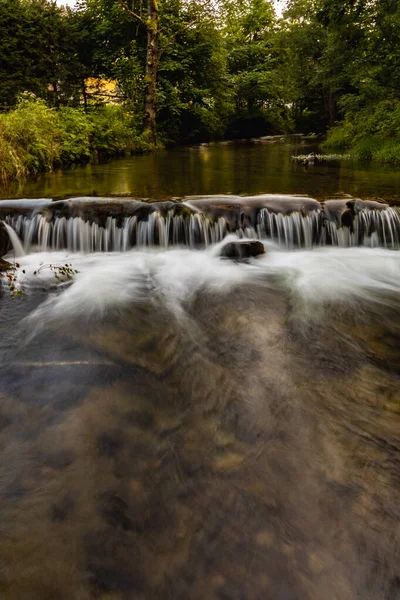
column 131, row 12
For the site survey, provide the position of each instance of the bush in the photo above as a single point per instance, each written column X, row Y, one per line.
column 339, row 138
column 389, row 152
column 370, row 133
column 75, row 136
column 29, row 139
column 112, row 131
column 366, row 148
column 34, row 137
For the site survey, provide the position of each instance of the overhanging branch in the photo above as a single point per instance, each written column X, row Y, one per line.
column 131, row 12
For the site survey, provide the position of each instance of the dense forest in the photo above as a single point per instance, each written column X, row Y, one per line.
column 185, row 71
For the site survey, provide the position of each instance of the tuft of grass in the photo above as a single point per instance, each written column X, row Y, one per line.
column 371, row 133
column 366, row 147
column 389, row 152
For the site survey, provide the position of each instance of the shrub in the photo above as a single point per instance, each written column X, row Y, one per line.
column 339, row 138
column 29, row 138
column 389, row 152
column 75, row 136
column 34, row 137
column 11, row 163
column 365, row 148
column 370, row 133
column 112, row 132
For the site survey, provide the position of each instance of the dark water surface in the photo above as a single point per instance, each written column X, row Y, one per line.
column 222, row 168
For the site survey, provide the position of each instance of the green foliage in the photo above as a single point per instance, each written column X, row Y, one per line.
column 28, row 139
column 112, row 131
column 225, row 68
column 366, row 147
column 35, row 138
column 370, row 133
column 339, row 138
column 260, row 94
column 389, row 152
column 75, row 136
column 193, row 95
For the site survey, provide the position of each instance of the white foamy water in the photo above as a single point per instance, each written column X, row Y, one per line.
column 116, row 280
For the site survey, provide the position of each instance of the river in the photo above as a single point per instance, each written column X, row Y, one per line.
column 175, row 424
column 264, row 166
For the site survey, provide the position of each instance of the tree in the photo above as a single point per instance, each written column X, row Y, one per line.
column 161, row 23
column 41, row 52
column 151, row 25
column 260, row 96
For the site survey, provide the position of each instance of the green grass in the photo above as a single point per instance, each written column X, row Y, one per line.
column 370, row 134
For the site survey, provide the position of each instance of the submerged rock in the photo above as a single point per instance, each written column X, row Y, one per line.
column 242, row 250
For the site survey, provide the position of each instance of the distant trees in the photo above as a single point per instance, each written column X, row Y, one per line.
column 260, row 94
column 39, row 52
column 190, row 70
column 170, row 61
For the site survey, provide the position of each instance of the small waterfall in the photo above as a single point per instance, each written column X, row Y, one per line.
column 15, row 241
column 290, row 231
column 368, row 227
column 77, row 235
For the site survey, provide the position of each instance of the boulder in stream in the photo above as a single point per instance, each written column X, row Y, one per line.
column 242, row 250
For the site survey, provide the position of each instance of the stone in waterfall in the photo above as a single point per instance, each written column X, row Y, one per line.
column 5, row 243
column 242, row 250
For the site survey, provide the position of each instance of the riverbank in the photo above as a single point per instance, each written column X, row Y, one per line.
column 369, row 134
column 36, row 139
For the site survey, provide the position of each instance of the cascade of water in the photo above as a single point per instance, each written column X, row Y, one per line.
column 291, row 231
column 15, row 241
column 295, row 230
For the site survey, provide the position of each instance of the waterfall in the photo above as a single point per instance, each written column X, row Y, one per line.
column 78, row 235
column 367, row 227
column 15, row 241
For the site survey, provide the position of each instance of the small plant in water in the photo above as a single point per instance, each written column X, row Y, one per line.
column 11, row 279
column 62, row 273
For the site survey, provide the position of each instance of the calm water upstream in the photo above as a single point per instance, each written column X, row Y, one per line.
column 176, row 425
column 222, row 168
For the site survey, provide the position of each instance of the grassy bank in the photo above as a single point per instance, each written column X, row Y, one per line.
column 371, row 133
column 35, row 138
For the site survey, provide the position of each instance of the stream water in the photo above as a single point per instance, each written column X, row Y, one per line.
column 258, row 167
column 178, row 425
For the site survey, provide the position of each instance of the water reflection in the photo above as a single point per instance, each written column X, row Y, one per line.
column 237, row 168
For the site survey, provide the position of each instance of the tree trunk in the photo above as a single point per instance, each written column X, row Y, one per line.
column 151, row 72
column 84, row 94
